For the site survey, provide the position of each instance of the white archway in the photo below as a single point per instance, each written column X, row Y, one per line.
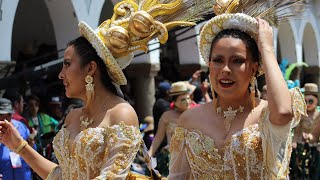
column 64, row 20
column 32, row 32
column 310, row 39
column 310, row 48
column 88, row 11
column 287, row 42
column 66, row 14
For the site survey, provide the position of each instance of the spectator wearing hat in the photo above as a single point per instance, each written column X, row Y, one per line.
column 191, row 90
column 43, row 123
column 310, row 126
column 311, row 93
column 180, row 93
column 306, row 134
column 12, row 166
column 55, row 108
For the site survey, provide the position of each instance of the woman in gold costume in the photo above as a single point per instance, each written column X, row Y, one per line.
column 237, row 135
column 305, row 159
column 101, row 140
column 308, row 129
column 168, row 122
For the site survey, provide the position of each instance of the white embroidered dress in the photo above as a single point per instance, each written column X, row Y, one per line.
column 260, row 151
column 96, row 153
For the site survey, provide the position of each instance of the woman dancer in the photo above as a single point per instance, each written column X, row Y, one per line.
column 238, row 136
column 101, row 140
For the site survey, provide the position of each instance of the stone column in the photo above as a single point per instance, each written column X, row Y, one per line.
column 140, row 74
column 141, row 79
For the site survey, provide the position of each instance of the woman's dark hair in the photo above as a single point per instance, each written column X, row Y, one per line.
column 249, row 42
column 13, row 95
column 34, row 97
column 87, row 54
column 197, row 94
column 174, row 98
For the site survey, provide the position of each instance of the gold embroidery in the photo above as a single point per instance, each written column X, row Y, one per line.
column 91, row 148
column 176, row 140
column 260, row 151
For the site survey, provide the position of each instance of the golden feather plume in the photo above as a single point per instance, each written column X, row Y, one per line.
column 191, row 11
column 273, row 11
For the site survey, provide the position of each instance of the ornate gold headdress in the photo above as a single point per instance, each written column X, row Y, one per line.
column 136, row 22
column 241, row 14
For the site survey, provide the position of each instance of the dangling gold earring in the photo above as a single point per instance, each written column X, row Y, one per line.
column 253, row 91
column 89, row 88
column 214, row 98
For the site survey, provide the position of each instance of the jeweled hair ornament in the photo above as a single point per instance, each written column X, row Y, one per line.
column 136, row 22
column 241, row 15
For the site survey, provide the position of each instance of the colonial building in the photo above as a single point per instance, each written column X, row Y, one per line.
column 34, row 34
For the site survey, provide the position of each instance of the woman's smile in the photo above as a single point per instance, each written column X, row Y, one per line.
column 226, row 83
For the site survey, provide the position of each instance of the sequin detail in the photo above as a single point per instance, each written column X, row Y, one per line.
column 100, row 153
column 260, row 151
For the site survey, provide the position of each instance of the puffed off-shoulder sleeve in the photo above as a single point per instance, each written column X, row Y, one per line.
column 123, row 144
column 179, row 168
column 55, row 174
column 277, row 140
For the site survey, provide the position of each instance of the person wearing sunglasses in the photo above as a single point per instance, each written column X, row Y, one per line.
column 305, row 156
column 303, row 132
column 180, row 94
column 311, row 99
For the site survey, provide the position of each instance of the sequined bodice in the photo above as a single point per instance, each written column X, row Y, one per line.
column 97, row 152
column 308, row 123
column 170, row 130
column 242, row 155
column 260, row 151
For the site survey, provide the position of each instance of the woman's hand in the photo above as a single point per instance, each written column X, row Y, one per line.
column 9, row 135
column 265, row 36
column 196, row 76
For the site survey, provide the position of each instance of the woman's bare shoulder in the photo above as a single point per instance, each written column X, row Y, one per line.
column 168, row 114
column 123, row 112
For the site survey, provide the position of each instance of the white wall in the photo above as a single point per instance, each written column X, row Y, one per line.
column 8, row 8
column 287, row 43
column 64, row 20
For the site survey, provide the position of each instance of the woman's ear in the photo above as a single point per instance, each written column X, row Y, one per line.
column 92, row 67
column 255, row 68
